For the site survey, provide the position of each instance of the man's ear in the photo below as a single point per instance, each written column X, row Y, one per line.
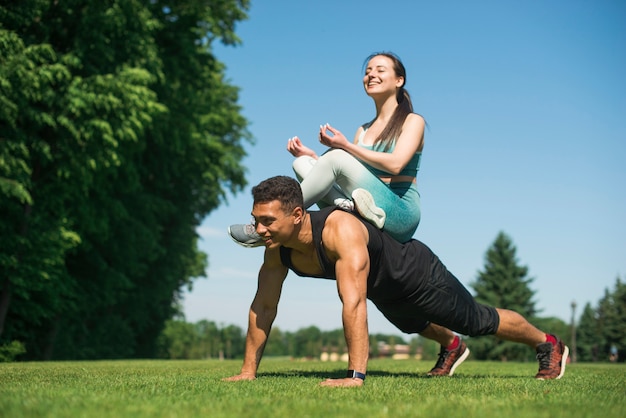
column 298, row 214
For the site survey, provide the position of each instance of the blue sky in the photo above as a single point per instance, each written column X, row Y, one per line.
column 526, row 106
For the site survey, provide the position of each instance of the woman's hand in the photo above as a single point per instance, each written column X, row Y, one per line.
column 298, row 149
column 335, row 140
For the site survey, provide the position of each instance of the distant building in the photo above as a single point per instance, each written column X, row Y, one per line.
column 396, row 352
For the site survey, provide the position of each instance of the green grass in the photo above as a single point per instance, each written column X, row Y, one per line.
column 290, row 389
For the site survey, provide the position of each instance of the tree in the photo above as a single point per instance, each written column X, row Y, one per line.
column 603, row 327
column 233, row 342
column 308, row 342
column 118, row 135
column 209, row 343
column 611, row 321
column 503, row 284
column 276, row 343
column 588, row 336
column 178, row 340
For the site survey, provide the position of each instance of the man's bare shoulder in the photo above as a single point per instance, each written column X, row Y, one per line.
column 341, row 216
column 344, row 227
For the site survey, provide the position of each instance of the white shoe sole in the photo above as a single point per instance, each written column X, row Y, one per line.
column 365, row 205
column 460, row 360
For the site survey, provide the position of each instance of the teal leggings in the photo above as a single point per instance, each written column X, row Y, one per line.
column 337, row 173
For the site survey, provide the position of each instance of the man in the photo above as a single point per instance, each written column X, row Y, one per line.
column 406, row 282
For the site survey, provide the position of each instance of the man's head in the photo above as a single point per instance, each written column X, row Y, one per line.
column 278, row 209
column 282, row 188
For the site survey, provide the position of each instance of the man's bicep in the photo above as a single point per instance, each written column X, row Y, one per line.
column 349, row 246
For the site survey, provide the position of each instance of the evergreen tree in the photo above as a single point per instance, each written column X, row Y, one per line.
column 503, row 284
column 588, row 336
column 611, row 321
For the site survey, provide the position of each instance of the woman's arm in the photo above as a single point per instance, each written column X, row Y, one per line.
column 411, row 140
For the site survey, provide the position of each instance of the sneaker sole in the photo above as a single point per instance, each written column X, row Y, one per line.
column 244, row 244
column 459, row 361
column 364, row 204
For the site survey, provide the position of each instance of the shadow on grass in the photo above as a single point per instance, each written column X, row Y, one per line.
column 339, row 373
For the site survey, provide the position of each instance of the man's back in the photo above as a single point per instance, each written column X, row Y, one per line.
column 396, row 270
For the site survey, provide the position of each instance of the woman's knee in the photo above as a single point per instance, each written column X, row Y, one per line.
column 302, row 165
column 337, row 156
column 343, row 163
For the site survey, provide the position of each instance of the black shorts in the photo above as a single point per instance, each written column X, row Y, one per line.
column 441, row 299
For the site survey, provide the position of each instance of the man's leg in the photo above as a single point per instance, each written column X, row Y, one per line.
column 453, row 350
column 551, row 352
column 447, row 302
column 514, row 327
column 442, row 335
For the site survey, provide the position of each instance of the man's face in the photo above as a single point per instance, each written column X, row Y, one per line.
column 273, row 224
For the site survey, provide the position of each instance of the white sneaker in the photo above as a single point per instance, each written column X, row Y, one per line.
column 365, row 205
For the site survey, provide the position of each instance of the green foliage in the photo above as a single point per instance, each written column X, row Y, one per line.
column 202, row 340
column 503, row 284
column 118, row 135
column 604, row 326
column 588, row 336
column 205, row 340
column 284, row 388
column 9, row 352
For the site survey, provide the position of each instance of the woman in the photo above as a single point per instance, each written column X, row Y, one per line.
column 375, row 174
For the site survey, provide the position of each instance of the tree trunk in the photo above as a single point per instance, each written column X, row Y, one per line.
column 5, row 300
column 52, row 336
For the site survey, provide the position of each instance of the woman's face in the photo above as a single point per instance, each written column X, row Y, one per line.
column 380, row 76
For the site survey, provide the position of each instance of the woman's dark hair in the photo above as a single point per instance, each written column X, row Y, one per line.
column 405, row 106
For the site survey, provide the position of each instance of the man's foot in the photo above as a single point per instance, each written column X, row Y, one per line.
column 449, row 360
column 552, row 359
column 365, row 205
column 245, row 235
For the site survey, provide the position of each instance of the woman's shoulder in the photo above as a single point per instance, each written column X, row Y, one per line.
column 360, row 132
column 414, row 118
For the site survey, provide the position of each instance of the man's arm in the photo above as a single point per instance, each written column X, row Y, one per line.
column 262, row 313
column 345, row 239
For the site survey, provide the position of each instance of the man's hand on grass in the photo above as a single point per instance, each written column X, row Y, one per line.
column 241, row 376
column 346, row 382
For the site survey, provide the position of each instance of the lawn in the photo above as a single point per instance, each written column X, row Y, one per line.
column 288, row 388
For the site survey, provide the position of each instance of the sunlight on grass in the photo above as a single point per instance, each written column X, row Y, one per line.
column 291, row 389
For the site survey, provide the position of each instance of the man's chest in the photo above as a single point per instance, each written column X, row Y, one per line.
column 307, row 263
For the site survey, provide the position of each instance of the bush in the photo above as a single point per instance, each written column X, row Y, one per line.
column 8, row 352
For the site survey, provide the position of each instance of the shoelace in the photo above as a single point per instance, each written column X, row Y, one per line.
column 443, row 355
column 544, row 359
column 250, row 229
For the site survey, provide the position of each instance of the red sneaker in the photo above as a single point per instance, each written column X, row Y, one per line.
column 449, row 360
column 552, row 360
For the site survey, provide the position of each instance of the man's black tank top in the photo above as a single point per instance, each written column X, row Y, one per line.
column 397, row 271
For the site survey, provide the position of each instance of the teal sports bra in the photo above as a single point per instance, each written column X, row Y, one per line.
column 410, row 169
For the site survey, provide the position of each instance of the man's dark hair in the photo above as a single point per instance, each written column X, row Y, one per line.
column 282, row 188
